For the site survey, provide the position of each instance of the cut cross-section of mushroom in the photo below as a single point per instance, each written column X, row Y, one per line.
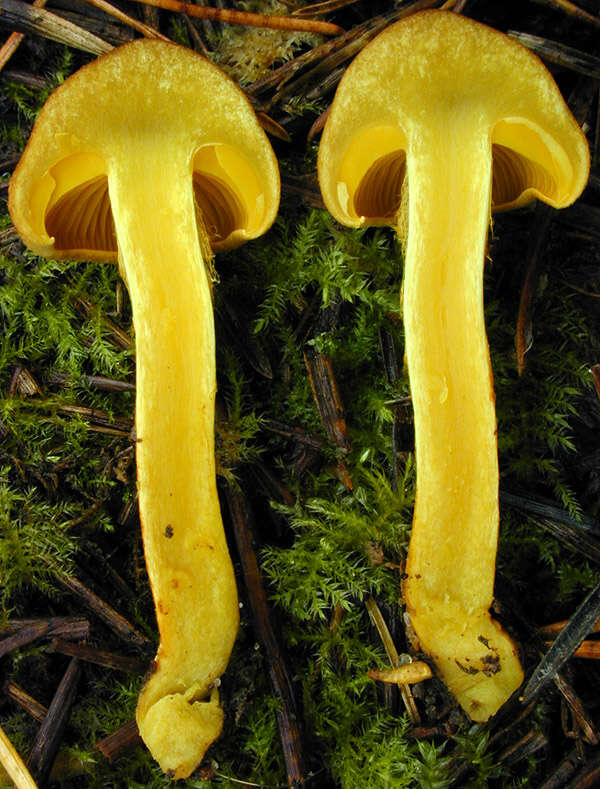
column 437, row 122
column 150, row 156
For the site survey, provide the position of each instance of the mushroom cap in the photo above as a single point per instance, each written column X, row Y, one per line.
column 438, row 70
column 95, row 121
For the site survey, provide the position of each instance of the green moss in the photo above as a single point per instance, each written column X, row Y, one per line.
column 307, row 286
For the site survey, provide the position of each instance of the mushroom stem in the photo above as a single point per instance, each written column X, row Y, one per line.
column 451, row 559
column 160, row 254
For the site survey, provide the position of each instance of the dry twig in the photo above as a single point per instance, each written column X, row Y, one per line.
column 247, row 18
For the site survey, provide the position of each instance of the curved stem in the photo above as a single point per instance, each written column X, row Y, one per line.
column 452, row 554
column 186, row 553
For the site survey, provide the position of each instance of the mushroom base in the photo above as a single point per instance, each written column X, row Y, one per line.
column 476, row 660
column 178, row 730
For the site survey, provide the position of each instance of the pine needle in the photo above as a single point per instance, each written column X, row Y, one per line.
column 14, row 765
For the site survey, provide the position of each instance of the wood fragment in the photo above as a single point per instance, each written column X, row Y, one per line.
column 295, row 433
column 595, row 373
column 584, row 618
column 588, row 777
column 117, row 623
column 120, row 741
column 556, row 627
column 272, row 127
column 326, row 7
column 35, row 629
column 25, row 78
column 286, row 71
column 14, row 765
column 523, row 748
column 575, row 538
column 326, row 85
column 538, row 239
column 94, row 382
column 199, row 44
column 247, row 18
column 560, row 54
column 390, row 648
column 102, row 26
column 235, row 327
column 303, row 188
column 287, row 718
column 587, row 649
column 351, row 44
column 567, row 7
column 141, row 27
column 318, row 125
column 99, row 657
column 565, row 770
column 13, row 42
column 542, row 509
column 23, row 383
column 116, row 425
column 24, row 18
column 49, row 736
column 118, row 336
column 327, row 398
column 20, row 696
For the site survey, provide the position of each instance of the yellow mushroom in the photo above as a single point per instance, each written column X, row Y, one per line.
column 152, row 156
column 437, row 122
